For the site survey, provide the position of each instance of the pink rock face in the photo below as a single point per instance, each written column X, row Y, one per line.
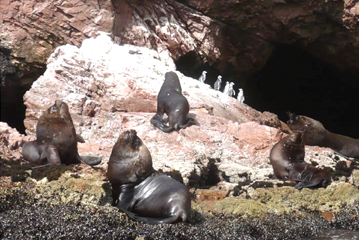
column 241, row 33
column 111, row 88
column 33, row 29
column 11, row 142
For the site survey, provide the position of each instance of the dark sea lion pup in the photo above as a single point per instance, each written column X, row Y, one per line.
column 289, row 149
column 171, row 101
column 56, row 139
column 315, row 134
column 141, row 192
column 287, row 159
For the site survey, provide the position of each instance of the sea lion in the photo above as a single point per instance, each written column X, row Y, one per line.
column 288, row 150
column 315, row 134
column 141, row 192
column 287, row 159
column 171, row 101
column 56, row 139
column 308, row 175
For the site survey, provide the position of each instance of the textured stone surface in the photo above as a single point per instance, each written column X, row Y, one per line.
column 240, row 36
column 110, row 90
column 32, row 31
column 114, row 88
column 11, row 142
column 234, row 36
column 223, row 160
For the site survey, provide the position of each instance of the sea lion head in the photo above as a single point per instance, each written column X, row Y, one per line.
column 58, row 111
column 296, row 138
column 313, row 130
column 130, row 158
column 171, row 82
column 293, row 147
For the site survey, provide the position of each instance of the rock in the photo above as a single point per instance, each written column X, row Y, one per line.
column 241, row 34
column 33, row 30
column 11, row 142
column 110, row 89
column 223, row 160
column 234, row 36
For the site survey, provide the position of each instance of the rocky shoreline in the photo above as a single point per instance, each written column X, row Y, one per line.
column 74, row 202
column 226, row 169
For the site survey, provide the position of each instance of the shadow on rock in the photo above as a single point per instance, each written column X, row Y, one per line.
column 16, row 169
column 50, row 172
column 345, row 168
column 209, row 175
column 107, row 198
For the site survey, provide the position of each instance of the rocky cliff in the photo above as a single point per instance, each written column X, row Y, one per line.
column 234, row 36
column 111, row 87
column 223, row 160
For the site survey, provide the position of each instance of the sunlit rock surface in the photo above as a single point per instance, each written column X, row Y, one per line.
column 223, row 160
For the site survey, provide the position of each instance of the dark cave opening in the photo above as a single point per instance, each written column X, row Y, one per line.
column 191, row 65
column 14, row 84
column 294, row 80
column 12, row 106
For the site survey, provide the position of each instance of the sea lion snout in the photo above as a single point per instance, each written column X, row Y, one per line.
column 130, row 137
column 53, row 108
column 296, row 137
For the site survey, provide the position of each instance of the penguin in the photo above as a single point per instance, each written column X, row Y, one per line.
column 226, row 88
column 240, row 96
column 202, row 78
column 217, row 84
column 231, row 91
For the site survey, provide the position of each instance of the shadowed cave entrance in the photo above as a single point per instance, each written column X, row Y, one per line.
column 293, row 80
column 14, row 84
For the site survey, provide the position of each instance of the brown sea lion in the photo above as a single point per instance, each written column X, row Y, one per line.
column 290, row 149
column 141, row 192
column 170, row 101
column 287, row 159
column 315, row 134
column 56, row 139
column 308, row 175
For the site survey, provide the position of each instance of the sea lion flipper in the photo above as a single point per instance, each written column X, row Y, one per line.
column 189, row 122
column 306, row 184
column 52, row 155
column 79, row 139
column 32, row 152
column 91, row 160
column 167, row 220
column 158, row 122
